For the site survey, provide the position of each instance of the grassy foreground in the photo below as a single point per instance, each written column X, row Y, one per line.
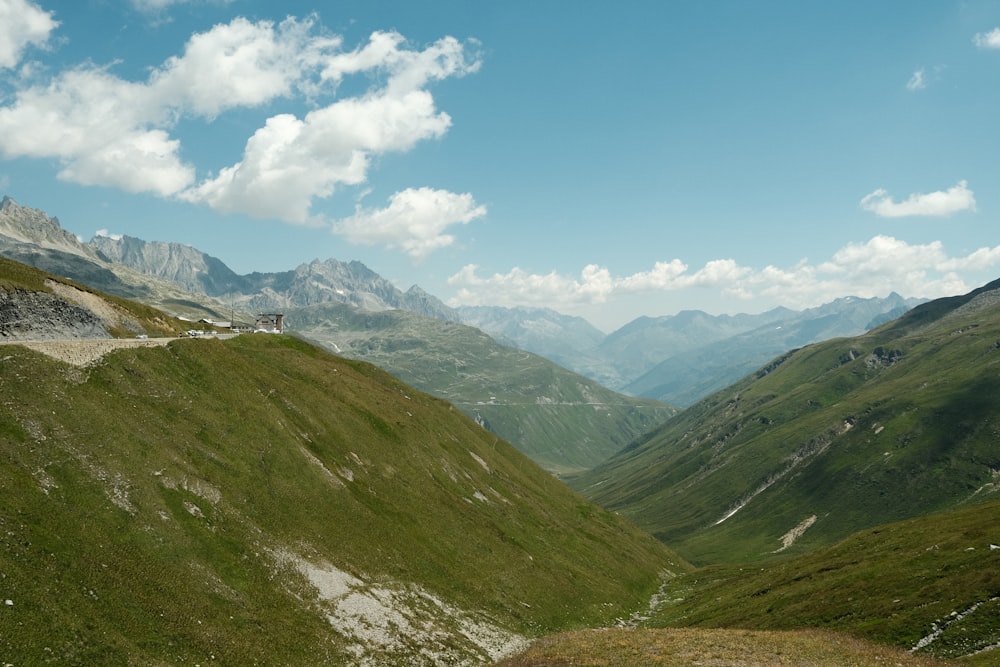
column 729, row 648
column 247, row 501
column 908, row 593
column 930, row 584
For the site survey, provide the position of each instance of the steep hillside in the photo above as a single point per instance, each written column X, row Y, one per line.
column 191, row 269
column 910, row 593
column 563, row 421
column 259, row 501
column 930, row 585
column 824, row 441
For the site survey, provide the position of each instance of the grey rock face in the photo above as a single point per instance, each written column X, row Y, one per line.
column 26, row 315
column 29, row 225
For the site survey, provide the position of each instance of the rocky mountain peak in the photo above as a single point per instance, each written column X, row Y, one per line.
column 190, row 268
column 28, row 225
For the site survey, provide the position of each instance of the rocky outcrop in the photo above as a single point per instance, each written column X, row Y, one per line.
column 27, row 315
column 418, row 301
column 317, row 282
column 112, row 263
column 332, row 281
column 29, row 225
column 188, row 267
column 29, row 236
column 883, row 358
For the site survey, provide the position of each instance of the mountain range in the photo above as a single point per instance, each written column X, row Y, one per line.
column 675, row 359
column 260, row 500
column 328, row 281
column 825, row 440
column 679, row 359
column 324, row 300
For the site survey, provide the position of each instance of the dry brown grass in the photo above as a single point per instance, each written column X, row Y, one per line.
column 710, row 648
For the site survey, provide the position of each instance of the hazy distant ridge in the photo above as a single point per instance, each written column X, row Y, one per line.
column 680, row 358
column 676, row 359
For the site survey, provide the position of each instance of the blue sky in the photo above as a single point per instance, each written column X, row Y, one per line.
column 608, row 160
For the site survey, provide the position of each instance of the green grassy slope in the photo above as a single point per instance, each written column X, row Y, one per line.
column 930, row 584
column 845, row 434
column 729, row 647
column 917, row 592
column 166, row 506
column 563, row 421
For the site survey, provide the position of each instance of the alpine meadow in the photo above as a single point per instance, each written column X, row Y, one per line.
column 512, row 334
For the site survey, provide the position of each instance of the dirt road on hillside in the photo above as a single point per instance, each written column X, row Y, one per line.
column 84, row 351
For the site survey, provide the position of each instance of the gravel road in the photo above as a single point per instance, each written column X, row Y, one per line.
column 81, row 352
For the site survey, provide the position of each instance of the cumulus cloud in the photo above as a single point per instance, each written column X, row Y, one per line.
column 940, row 203
column 869, row 269
column 22, row 24
column 988, row 40
column 290, row 162
column 414, row 221
column 239, row 64
column 112, row 132
column 101, row 128
column 595, row 284
column 916, row 81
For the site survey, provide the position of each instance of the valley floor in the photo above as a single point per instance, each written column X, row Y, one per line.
column 717, row 647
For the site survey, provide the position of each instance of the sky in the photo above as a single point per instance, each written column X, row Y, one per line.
column 607, row 160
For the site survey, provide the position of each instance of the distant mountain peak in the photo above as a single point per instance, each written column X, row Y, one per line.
column 23, row 231
column 29, row 225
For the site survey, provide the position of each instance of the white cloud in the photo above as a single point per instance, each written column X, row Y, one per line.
column 22, row 23
column 111, row 132
column 916, row 81
column 290, row 162
column 940, row 203
column 106, row 234
column 982, row 259
column 518, row 287
column 988, row 40
column 100, row 127
column 414, row 221
column 873, row 268
column 409, row 70
column 238, row 64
